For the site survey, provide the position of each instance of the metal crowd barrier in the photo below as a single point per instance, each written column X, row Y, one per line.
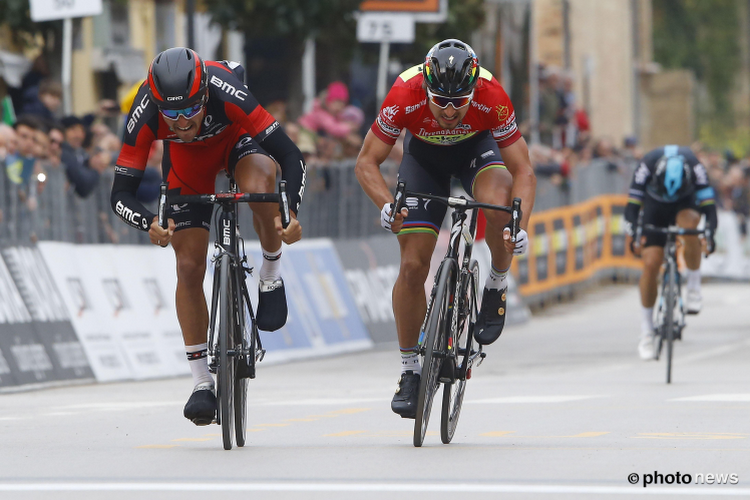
column 335, row 206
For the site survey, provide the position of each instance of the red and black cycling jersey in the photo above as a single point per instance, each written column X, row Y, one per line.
column 405, row 107
column 230, row 111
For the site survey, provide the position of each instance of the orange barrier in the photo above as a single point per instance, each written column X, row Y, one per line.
column 570, row 245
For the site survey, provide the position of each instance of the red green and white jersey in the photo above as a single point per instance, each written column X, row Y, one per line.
column 405, row 107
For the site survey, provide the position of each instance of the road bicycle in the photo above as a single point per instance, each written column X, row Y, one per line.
column 669, row 317
column 446, row 341
column 234, row 345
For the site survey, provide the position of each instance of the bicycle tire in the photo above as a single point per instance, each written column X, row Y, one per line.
column 240, row 383
column 669, row 305
column 225, row 375
column 434, row 342
column 453, row 393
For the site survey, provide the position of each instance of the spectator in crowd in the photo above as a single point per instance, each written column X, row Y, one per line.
column 7, row 141
column 335, row 123
column 20, row 166
column 549, row 107
column 43, row 101
column 630, row 149
column 81, row 169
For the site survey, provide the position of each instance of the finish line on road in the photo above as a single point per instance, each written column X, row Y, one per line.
column 378, row 487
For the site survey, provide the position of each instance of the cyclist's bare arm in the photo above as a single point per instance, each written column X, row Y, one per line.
column 516, row 158
column 374, row 152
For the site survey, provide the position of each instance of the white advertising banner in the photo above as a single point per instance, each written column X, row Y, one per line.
column 119, row 308
column 121, row 303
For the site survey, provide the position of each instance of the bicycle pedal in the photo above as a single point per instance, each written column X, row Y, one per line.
column 259, row 355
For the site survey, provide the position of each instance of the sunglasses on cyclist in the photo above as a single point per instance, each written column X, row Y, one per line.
column 442, row 102
column 188, row 113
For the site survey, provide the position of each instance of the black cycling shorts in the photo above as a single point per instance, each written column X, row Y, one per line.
column 192, row 169
column 663, row 215
column 427, row 168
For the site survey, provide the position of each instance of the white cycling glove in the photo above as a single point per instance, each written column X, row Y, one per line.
column 385, row 216
column 522, row 242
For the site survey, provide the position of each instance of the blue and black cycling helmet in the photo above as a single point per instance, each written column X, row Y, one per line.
column 451, row 68
column 673, row 177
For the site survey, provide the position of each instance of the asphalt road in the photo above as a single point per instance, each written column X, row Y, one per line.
column 561, row 408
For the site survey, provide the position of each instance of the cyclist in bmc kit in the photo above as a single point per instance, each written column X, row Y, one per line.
column 209, row 122
column 458, row 120
column 672, row 187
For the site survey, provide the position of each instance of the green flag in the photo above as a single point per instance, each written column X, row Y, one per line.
column 9, row 114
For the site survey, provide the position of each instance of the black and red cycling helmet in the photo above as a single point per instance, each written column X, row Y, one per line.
column 451, row 68
column 177, row 78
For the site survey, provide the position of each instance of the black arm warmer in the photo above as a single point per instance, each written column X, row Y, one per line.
column 712, row 220
column 293, row 168
column 631, row 213
column 125, row 204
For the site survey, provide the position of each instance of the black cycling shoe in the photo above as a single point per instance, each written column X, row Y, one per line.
column 272, row 310
column 491, row 318
column 201, row 407
column 405, row 400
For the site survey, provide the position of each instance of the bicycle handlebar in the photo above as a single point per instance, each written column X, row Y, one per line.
column 399, row 200
column 221, row 198
column 162, row 210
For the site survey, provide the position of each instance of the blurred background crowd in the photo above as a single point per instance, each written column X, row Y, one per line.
column 571, row 106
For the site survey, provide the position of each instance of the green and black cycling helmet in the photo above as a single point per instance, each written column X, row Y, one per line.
column 451, row 68
column 673, row 177
column 177, row 79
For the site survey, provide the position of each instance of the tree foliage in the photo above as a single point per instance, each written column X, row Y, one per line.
column 702, row 36
column 292, row 19
column 17, row 16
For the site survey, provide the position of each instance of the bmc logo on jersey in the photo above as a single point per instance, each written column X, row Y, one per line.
column 229, row 89
column 137, row 112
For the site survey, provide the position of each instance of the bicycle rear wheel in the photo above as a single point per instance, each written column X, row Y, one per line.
column 453, row 393
column 670, row 302
column 434, row 344
column 226, row 370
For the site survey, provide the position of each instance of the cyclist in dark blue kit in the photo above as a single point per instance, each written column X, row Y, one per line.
column 209, row 122
column 671, row 186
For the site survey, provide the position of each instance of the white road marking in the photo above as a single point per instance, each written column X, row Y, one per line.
column 323, row 402
column 382, row 487
column 711, row 353
column 115, row 405
column 724, row 398
column 532, row 399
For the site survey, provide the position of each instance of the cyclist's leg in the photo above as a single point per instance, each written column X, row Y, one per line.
column 190, row 243
column 417, row 242
column 689, row 218
column 488, row 181
column 652, row 255
column 255, row 172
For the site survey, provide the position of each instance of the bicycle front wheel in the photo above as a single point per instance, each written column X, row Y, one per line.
column 670, row 302
column 460, row 348
column 434, row 345
column 240, row 384
column 226, row 370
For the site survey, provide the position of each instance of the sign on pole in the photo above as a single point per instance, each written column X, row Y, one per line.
column 385, row 27
column 50, row 10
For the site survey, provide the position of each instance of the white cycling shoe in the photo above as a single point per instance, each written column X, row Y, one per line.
column 647, row 347
column 694, row 301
